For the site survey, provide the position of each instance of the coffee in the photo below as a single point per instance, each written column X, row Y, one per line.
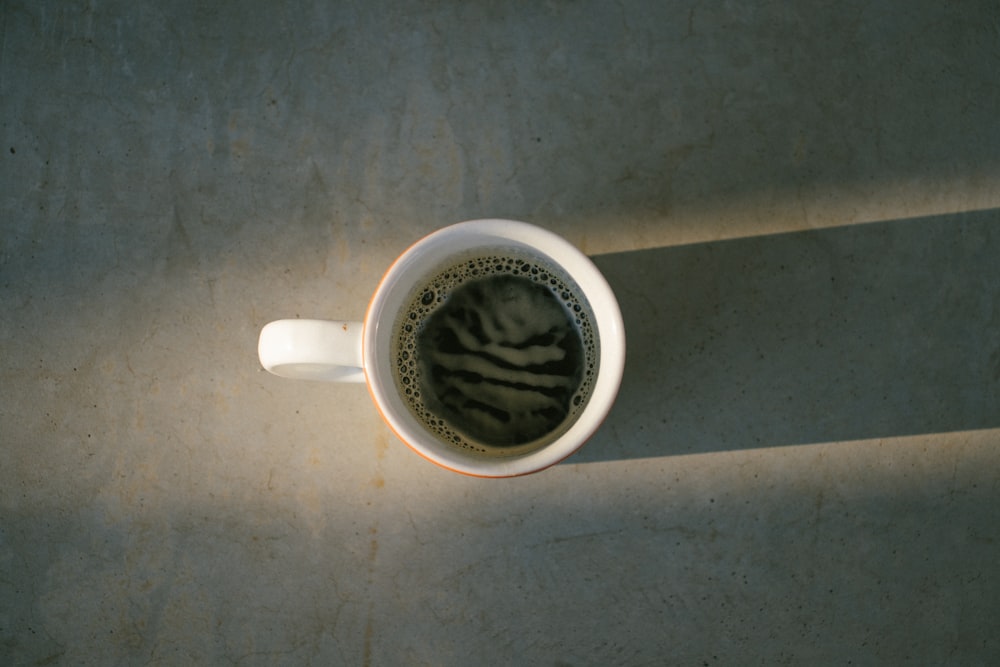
column 496, row 352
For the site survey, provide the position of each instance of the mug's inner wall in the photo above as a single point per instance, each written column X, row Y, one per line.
column 495, row 351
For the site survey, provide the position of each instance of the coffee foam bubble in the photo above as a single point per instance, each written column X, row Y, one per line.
column 428, row 298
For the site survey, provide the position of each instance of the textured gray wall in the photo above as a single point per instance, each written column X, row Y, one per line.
column 797, row 203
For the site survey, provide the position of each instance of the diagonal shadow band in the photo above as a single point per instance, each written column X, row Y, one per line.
column 858, row 332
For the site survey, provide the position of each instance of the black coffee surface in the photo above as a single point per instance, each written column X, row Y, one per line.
column 502, row 359
column 496, row 352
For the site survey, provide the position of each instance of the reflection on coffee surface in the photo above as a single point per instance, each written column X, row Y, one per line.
column 496, row 353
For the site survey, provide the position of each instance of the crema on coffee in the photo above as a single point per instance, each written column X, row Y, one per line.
column 496, row 352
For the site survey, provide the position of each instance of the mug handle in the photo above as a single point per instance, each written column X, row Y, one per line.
column 324, row 350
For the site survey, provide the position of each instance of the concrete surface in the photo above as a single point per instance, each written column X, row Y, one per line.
column 797, row 203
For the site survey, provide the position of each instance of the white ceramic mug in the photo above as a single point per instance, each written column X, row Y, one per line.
column 353, row 351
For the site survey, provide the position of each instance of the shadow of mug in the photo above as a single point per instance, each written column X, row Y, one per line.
column 858, row 332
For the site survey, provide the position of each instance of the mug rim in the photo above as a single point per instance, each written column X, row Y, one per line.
column 608, row 325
